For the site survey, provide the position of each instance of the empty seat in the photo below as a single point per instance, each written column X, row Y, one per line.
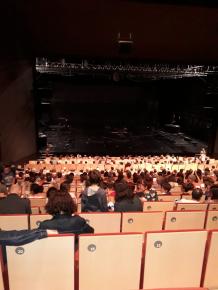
column 213, row 206
column 108, row 222
column 187, row 220
column 35, row 219
column 174, row 259
column 210, row 279
column 43, row 264
column 212, row 220
column 192, row 206
column 13, row 222
column 142, row 221
column 158, row 205
column 163, row 197
column 110, row 261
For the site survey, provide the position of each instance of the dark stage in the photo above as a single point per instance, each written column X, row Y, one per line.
column 167, row 111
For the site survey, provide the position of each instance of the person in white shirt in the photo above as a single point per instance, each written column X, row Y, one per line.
column 196, row 197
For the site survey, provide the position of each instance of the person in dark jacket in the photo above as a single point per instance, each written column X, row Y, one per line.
column 22, row 237
column 125, row 200
column 13, row 203
column 93, row 198
column 61, row 206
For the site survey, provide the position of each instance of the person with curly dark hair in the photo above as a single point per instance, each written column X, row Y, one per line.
column 62, row 207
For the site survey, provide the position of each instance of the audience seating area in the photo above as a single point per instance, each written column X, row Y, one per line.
column 114, row 222
column 169, row 245
column 151, row 260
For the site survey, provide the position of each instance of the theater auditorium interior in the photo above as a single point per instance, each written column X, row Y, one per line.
column 109, row 145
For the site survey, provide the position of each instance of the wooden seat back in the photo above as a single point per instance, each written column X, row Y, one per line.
column 35, row 219
column 191, row 206
column 108, row 222
column 174, row 259
column 158, row 205
column 99, row 256
column 142, row 221
column 211, row 220
column 43, row 264
column 210, row 278
column 184, row 220
column 14, row 222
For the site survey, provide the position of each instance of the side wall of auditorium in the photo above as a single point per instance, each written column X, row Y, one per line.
column 17, row 117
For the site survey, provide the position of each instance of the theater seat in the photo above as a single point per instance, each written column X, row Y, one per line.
column 174, row 259
column 210, row 279
column 142, row 221
column 184, row 220
column 46, row 264
column 108, row 222
column 110, row 261
column 158, row 205
column 35, row 219
column 212, row 220
column 213, row 206
column 191, row 206
column 14, row 222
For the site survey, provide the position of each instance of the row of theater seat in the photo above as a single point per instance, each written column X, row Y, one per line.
column 38, row 204
column 125, row 222
column 129, row 261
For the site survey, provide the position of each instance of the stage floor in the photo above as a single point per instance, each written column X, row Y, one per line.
column 119, row 141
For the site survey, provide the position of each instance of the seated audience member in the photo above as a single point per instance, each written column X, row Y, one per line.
column 51, row 192
column 151, row 195
column 125, row 200
column 7, row 176
column 13, row 203
column 148, row 181
column 22, row 237
column 140, row 188
column 187, row 187
column 214, row 193
column 61, row 206
column 197, row 193
column 166, row 188
column 93, row 198
column 65, row 186
column 35, row 189
column 3, row 188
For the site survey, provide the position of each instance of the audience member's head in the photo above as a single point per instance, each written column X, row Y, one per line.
column 148, row 181
column 94, row 177
column 65, row 186
column 122, row 191
column 197, row 193
column 36, row 188
column 166, row 187
column 48, row 177
column 51, row 192
column 187, row 187
column 61, row 203
column 69, row 178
